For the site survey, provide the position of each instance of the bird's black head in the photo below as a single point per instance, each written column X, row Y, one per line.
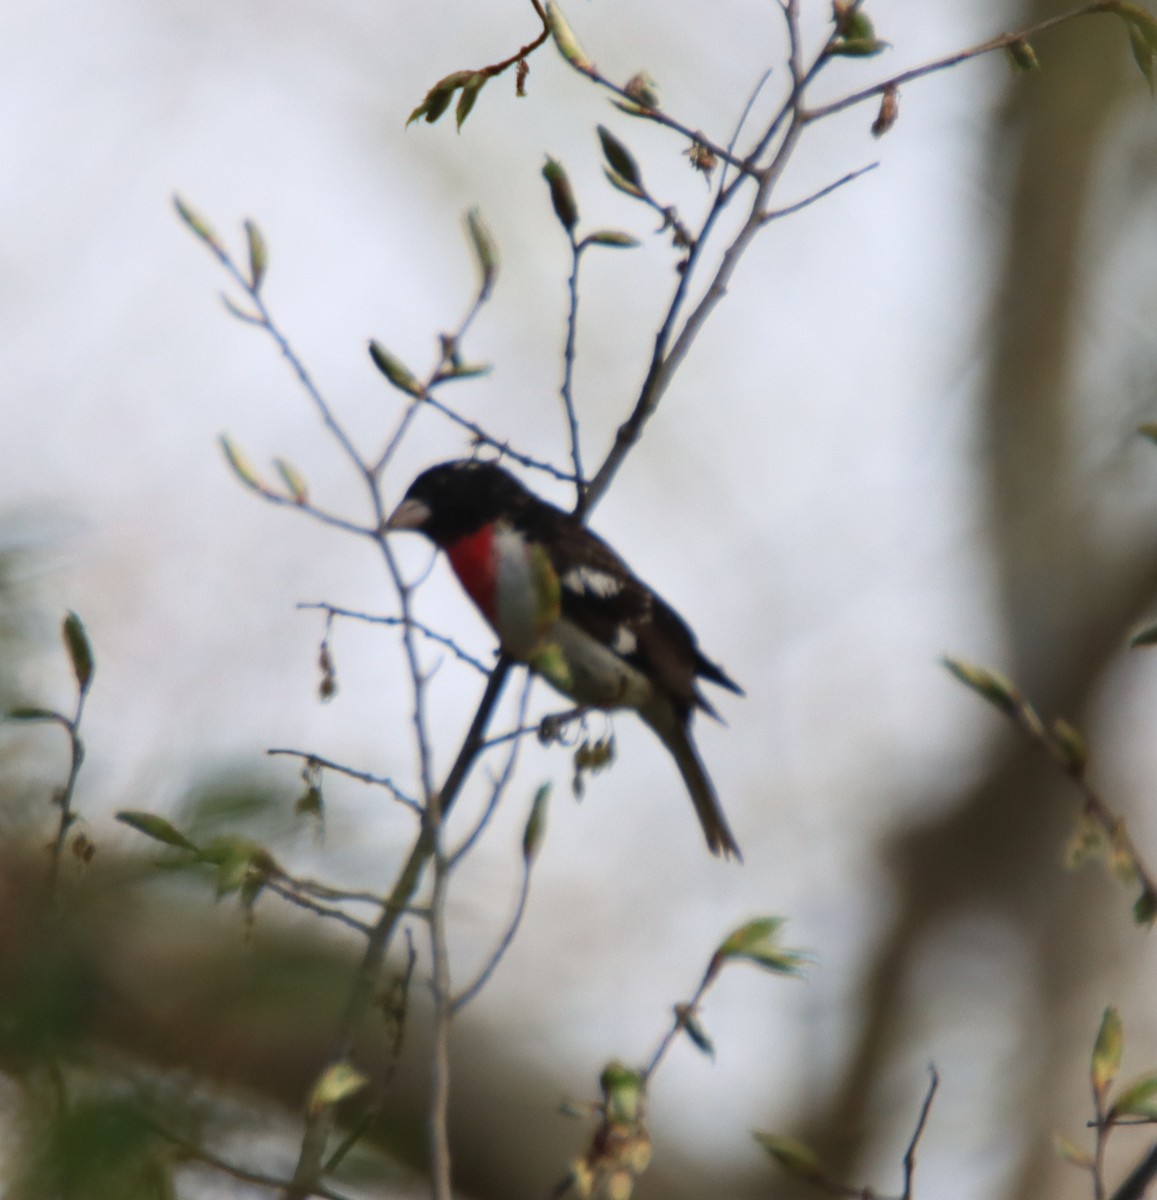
column 455, row 499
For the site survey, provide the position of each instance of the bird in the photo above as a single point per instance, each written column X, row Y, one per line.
column 561, row 601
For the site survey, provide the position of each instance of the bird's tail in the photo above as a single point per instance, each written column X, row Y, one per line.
column 676, row 736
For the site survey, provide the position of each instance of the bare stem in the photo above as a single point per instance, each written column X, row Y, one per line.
column 568, row 357
column 918, row 1132
column 439, row 1114
column 483, row 977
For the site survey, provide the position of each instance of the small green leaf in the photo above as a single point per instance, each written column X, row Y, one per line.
column 470, row 91
column 233, row 857
column 258, row 255
column 291, row 477
column 996, row 689
column 564, row 38
column 196, row 223
column 798, row 1160
column 1107, row 1050
column 855, row 24
column 1137, row 1099
column 1071, row 1152
column 1145, row 909
column 757, row 942
column 395, row 371
column 623, row 1093
column 561, row 193
column 620, row 159
column 438, row 98
column 156, row 828
column 611, row 237
column 1148, row 430
column 29, row 712
column 486, row 251
column 338, row 1081
column 535, row 829
column 79, row 650
column 691, row 1026
column 242, row 467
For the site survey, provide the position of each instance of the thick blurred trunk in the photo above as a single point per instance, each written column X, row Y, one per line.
column 1066, row 607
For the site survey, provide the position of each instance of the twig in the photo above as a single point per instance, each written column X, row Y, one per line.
column 683, row 1014
column 83, row 668
column 694, row 136
column 63, row 797
column 1137, row 1182
column 799, row 205
column 287, row 892
column 381, row 781
column 432, row 635
column 319, row 1124
column 483, row 977
column 568, row 356
column 192, row 1150
column 438, row 1123
column 952, row 60
column 449, row 348
column 918, row 1132
column 500, row 784
column 1029, row 721
column 396, row 1013
column 751, row 99
column 321, row 515
column 504, row 448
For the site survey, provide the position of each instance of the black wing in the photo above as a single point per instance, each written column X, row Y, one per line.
column 605, row 598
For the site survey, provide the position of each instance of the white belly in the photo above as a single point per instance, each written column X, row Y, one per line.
column 594, row 675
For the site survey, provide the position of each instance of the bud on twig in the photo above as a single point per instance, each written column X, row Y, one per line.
column 395, row 371
column 889, row 111
column 485, row 250
column 565, row 40
column 561, row 193
column 1022, row 55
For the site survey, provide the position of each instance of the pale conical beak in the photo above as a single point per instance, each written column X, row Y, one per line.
column 410, row 514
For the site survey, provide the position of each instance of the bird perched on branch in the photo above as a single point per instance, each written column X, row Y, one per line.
column 563, row 602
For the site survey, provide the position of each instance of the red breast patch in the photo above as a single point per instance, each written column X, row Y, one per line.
column 472, row 558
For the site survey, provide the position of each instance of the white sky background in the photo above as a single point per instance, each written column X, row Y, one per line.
column 804, row 497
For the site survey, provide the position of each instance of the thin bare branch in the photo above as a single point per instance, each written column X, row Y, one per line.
column 1138, row 1180
column 293, row 896
column 799, row 205
column 319, row 1124
column 568, row 357
column 483, row 977
column 381, row 781
column 918, row 1132
column 376, row 619
column 500, row 784
column 198, row 1153
column 439, row 1113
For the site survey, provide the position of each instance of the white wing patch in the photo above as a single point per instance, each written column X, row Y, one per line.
column 624, row 642
column 593, row 581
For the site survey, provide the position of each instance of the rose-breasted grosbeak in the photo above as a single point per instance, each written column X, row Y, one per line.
column 563, row 602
